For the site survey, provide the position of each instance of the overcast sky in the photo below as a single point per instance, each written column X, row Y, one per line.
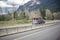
column 18, row 2
column 4, row 4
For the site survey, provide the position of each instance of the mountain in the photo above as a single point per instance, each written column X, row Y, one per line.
column 47, row 4
column 30, row 5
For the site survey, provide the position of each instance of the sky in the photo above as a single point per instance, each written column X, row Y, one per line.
column 4, row 4
column 20, row 2
column 9, row 3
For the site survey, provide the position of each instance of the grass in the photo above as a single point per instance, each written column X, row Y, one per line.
column 17, row 22
column 48, row 20
column 14, row 22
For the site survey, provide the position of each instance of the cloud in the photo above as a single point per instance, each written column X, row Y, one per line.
column 10, row 3
column 19, row 2
column 4, row 4
column 38, row 2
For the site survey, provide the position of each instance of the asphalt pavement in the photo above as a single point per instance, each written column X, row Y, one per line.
column 46, row 33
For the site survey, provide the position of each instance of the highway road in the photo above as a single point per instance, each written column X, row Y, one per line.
column 47, row 33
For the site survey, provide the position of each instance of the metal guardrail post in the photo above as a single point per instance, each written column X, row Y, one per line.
column 17, row 29
column 6, row 31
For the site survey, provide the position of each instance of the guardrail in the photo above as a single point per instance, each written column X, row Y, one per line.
column 17, row 29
